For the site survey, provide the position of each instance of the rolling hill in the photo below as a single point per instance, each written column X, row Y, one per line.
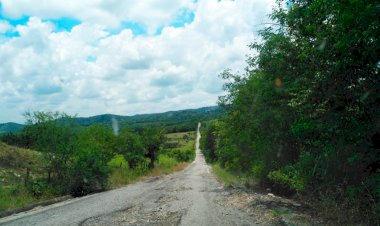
column 10, row 127
column 174, row 121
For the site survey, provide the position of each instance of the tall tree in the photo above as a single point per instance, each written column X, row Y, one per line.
column 152, row 138
column 305, row 115
column 51, row 133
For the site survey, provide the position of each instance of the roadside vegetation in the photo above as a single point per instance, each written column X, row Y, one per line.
column 55, row 157
column 176, row 152
column 13, row 164
column 227, row 177
column 304, row 118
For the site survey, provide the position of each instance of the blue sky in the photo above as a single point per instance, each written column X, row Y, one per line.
column 120, row 57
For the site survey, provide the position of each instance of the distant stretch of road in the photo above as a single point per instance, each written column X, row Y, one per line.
column 190, row 197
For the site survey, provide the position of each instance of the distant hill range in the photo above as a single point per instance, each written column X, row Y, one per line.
column 10, row 127
column 174, row 121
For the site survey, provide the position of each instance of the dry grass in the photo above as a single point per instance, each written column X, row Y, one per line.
column 15, row 157
column 13, row 164
column 158, row 171
column 122, row 177
column 180, row 139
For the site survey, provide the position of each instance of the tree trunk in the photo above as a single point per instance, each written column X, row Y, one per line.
column 27, row 176
column 152, row 158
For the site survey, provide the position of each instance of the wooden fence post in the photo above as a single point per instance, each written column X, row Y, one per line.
column 27, row 176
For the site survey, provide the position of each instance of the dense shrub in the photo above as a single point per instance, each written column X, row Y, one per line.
column 182, row 155
column 305, row 115
column 166, row 162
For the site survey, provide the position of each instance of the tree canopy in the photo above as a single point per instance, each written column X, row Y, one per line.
column 305, row 116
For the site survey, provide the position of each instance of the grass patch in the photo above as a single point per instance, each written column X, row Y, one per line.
column 122, row 176
column 279, row 212
column 180, row 146
column 17, row 196
column 121, row 173
column 183, row 140
column 228, row 177
column 160, row 170
column 13, row 197
column 18, row 158
column 166, row 162
column 13, row 164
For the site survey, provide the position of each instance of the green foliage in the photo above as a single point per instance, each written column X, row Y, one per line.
column 258, row 169
column 129, row 144
column 10, row 127
column 89, row 169
column 180, row 146
column 208, row 141
column 182, row 155
column 166, row 162
column 55, row 141
column 120, row 176
column 289, row 177
column 173, row 121
column 118, row 162
column 37, row 188
column 152, row 138
column 225, row 176
column 305, row 115
column 14, row 196
column 121, row 173
column 67, row 159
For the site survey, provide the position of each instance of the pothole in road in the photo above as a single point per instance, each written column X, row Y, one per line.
column 152, row 179
column 271, row 210
column 138, row 216
column 157, row 216
column 166, row 199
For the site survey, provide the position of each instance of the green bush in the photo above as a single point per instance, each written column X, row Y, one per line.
column 208, row 141
column 89, row 169
column 258, row 169
column 166, row 162
column 182, row 155
column 14, row 196
column 37, row 188
column 289, row 178
column 118, row 162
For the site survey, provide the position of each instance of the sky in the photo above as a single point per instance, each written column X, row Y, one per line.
column 128, row 57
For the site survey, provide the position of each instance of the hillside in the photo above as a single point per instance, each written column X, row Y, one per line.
column 14, row 162
column 182, row 120
column 10, row 127
column 175, row 120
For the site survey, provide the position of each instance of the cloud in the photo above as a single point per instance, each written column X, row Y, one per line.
column 165, row 80
column 4, row 26
column 108, row 13
column 89, row 69
column 46, row 88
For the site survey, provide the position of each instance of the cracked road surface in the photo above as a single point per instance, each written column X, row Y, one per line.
column 190, row 197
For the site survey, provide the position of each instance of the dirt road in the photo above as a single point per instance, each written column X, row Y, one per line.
column 190, row 197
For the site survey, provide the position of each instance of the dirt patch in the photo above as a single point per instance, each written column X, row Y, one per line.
column 137, row 216
column 268, row 209
column 166, row 199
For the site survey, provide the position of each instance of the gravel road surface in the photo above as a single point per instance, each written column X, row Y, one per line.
column 190, row 197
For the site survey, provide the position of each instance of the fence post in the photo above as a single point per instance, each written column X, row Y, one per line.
column 27, row 176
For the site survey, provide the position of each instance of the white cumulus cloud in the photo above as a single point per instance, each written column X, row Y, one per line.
column 89, row 70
